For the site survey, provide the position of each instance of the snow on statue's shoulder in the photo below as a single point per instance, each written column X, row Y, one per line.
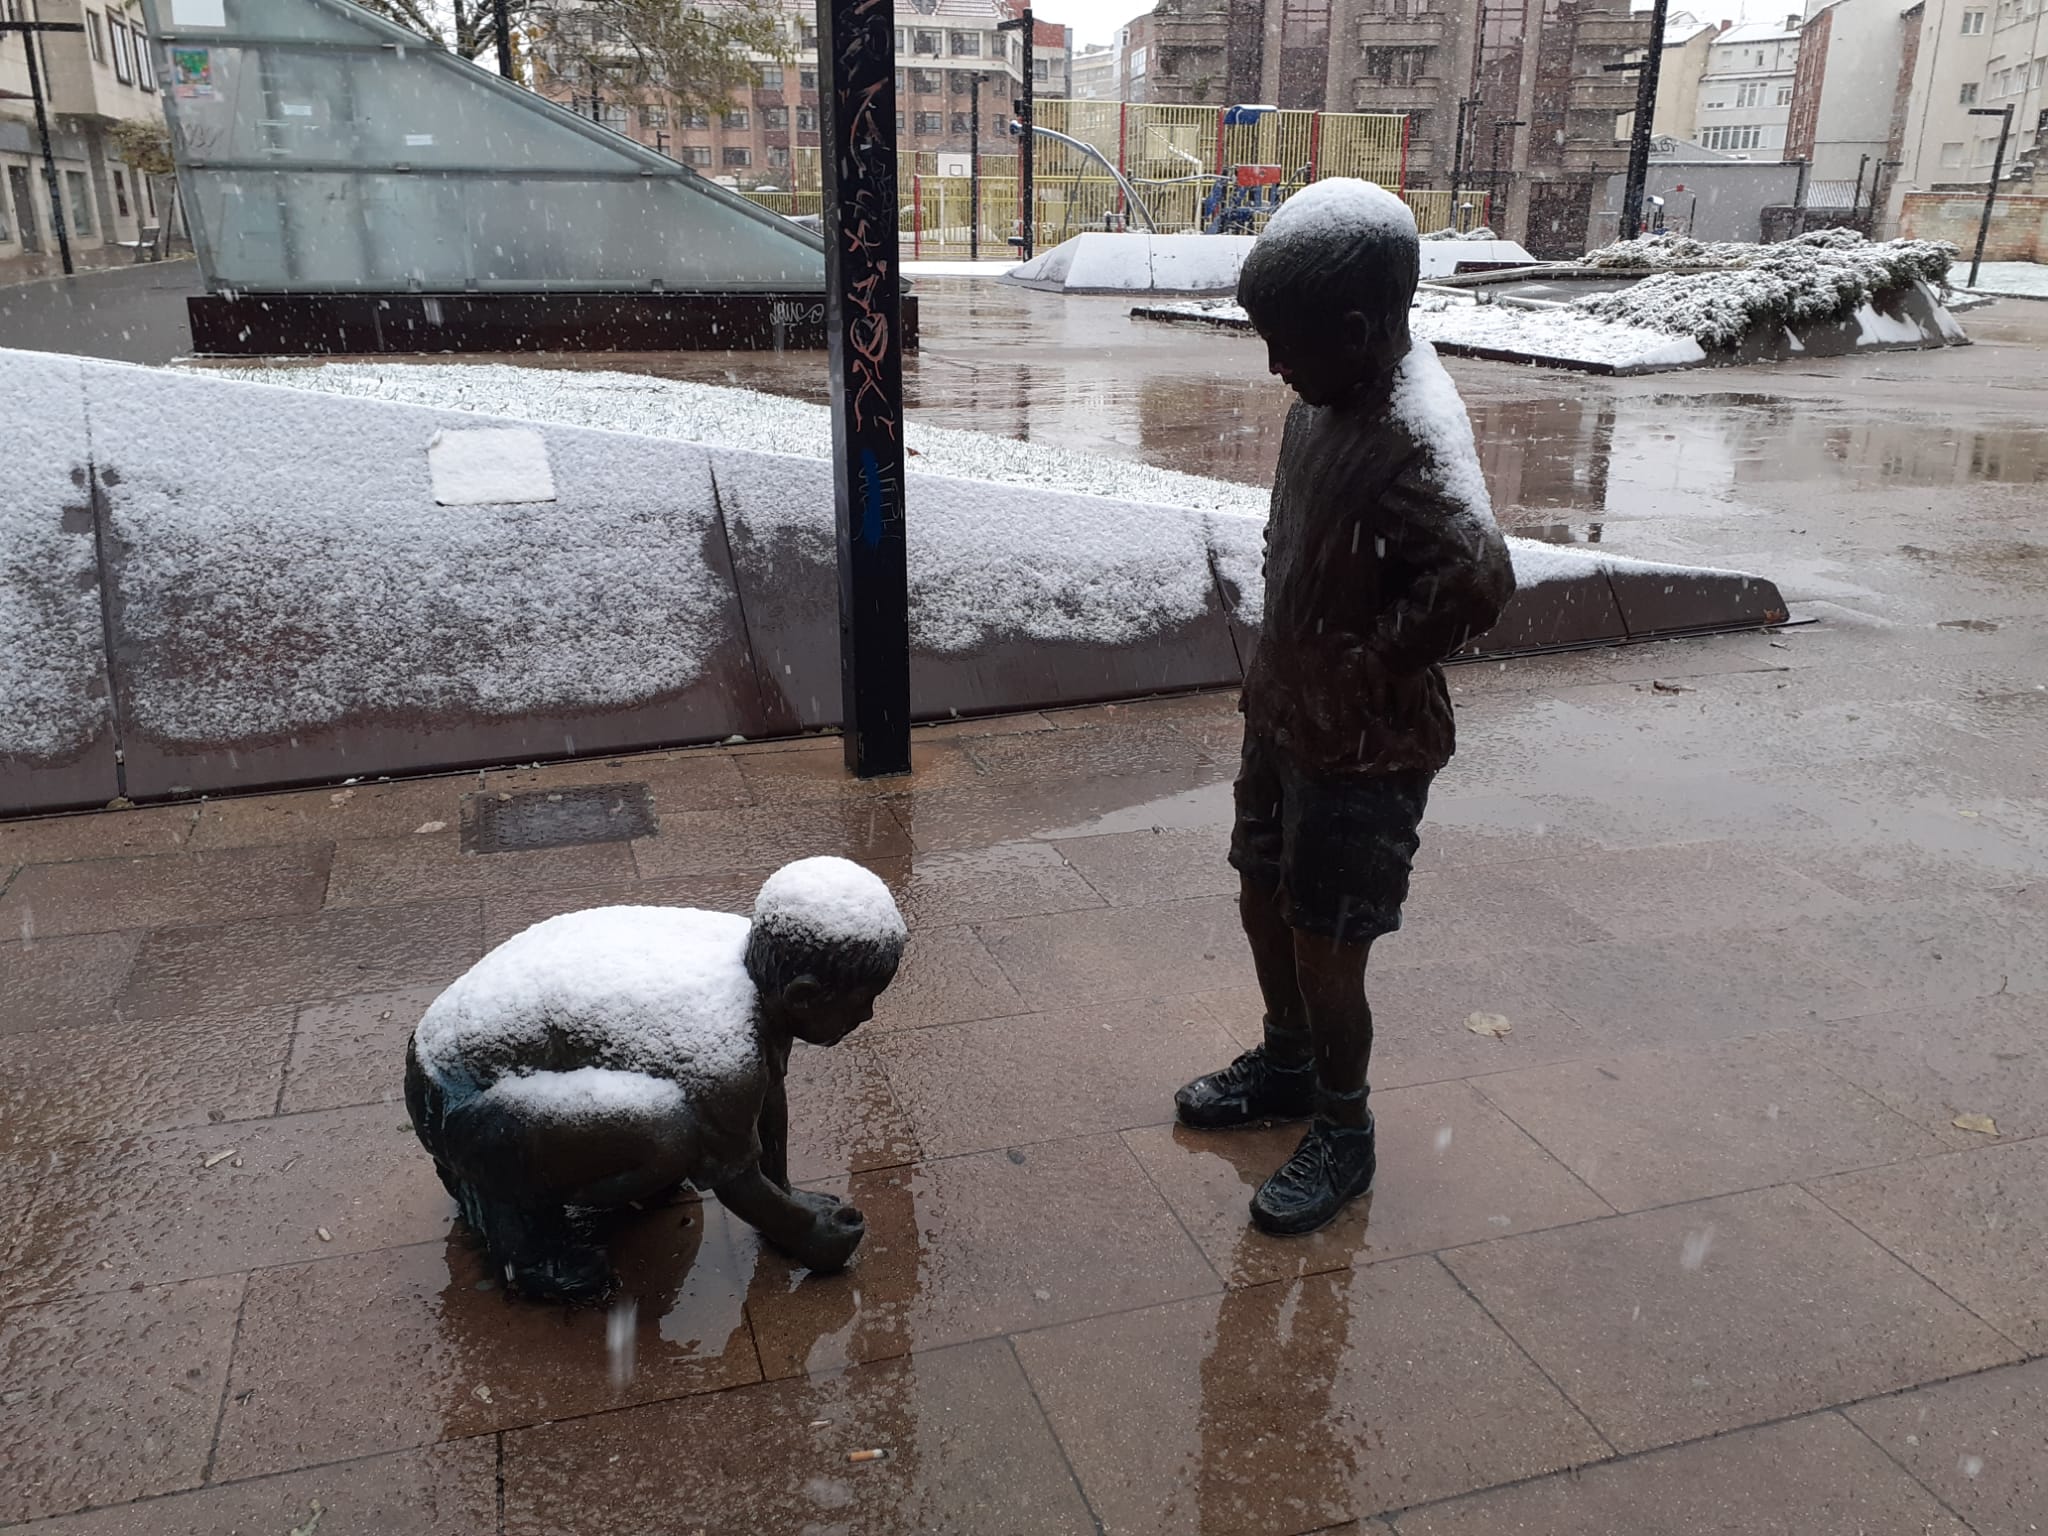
column 1337, row 207
column 1426, row 404
column 658, row 990
column 833, row 899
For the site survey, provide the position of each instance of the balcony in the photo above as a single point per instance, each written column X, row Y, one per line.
column 1425, row 31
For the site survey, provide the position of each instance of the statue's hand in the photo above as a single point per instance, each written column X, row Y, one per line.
column 836, row 1231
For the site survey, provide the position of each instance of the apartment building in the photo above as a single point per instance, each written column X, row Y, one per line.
column 1687, row 42
column 1961, row 54
column 1843, row 88
column 91, row 80
column 1745, row 92
column 1094, row 73
column 946, row 51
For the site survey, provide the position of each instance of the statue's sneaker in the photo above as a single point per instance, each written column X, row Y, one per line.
column 1251, row 1089
column 1333, row 1166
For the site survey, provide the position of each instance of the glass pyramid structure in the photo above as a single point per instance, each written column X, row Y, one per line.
column 323, row 150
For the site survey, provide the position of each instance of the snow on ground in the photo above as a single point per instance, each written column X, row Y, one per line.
column 1553, row 335
column 744, row 418
column 2023, row 279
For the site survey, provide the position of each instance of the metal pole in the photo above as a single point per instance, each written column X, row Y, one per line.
column 864, row 322
column 2004, row 113
column 1493, row 172
column 502, row 8
column 974, row 168
column 1639, row 134
column 1024, row 166
column 29, row 41
column 1458, row 156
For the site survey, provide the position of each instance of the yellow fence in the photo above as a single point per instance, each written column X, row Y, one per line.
column 1178, row 160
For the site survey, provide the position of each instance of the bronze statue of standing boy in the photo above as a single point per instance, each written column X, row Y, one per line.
column 1382, row 559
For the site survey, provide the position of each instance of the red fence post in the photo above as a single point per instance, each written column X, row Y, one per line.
column 916, row 216
column 1404, row 153
column 1315, row 142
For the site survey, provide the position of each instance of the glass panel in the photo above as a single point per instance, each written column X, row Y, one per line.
column 324, row 150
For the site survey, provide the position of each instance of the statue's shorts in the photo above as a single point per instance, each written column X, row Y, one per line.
column 1337, row 848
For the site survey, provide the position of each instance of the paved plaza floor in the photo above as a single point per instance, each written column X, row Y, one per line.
column 1742, row 1225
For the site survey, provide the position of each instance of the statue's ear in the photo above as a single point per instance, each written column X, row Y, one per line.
column 801, row 992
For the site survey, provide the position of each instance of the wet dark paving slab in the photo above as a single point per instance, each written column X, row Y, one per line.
column 1739, row 1227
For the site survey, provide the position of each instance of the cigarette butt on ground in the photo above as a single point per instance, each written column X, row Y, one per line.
column 877, row 1455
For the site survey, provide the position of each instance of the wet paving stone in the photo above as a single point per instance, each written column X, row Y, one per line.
column 199, row 886
column 110, row 1398
column 1975, row 1442
column 1674, row 1323
column 962, row 1448
column 1295, row 1406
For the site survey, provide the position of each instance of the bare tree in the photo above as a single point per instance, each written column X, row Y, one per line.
column 689, row 56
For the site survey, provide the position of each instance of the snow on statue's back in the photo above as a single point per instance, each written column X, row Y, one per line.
column 656, row 990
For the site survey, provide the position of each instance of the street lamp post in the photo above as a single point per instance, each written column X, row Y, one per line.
column 500, row 10
column 1493, row 173
column 1646, row 71
column 1466, row 106
column 864, row 328
column 2004, row 115
column 29, row 31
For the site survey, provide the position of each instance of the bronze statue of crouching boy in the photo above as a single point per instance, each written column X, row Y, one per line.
column 605, row 1057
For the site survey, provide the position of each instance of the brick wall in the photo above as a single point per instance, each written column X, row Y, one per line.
column 2019, row 225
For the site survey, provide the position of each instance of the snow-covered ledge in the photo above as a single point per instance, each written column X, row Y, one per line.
column 289, row 585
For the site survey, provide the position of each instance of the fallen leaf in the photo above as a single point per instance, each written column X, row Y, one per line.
column 429, row 826
column 1492, row 1025
column 313, row 1522
column 1663, row 687
column 1983, row 1125
column 341, row 797
column 218, row 1158
column 480, row 1392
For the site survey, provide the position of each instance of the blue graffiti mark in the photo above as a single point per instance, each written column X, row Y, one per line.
column 871, row 498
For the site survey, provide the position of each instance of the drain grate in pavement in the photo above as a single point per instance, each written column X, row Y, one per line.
column 557, row 818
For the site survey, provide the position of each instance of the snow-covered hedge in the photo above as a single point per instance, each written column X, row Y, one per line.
column 1826, row 274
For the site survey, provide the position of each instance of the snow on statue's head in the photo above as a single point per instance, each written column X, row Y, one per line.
column 825, row 943
column 1329, row 285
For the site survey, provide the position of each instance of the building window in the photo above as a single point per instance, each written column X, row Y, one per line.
column 925, row 42
column 1952, row 156
column 735, row 120
column 1973, row 23
column 735, row 155
column 899, row 39
column 807, row 79
column 966, row 45
column 925, row 82
column 808, row 38
column 654, row 117
column 778, row 155
column 1750, row 94
column 96, row 36
column 1784, row 95
column 962, row 81
column 145, row 71
column 931, row 122
column 1967, row 96
column 615, row 116
column 899, row 125
column 1746, row 136
column 696, row 154
column 1396, row 66
column 124, row 65
column 81, row 202
column 775, row 117
column 696, row 118
column 807, row 119
column 120, row 194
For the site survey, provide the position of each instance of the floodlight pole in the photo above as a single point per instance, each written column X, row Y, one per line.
column 974, row 167
column 1493, row 171
column 1639, row 135
column 28, row 31
column 1023, row 23
column 864, row 325
column 2004, row 114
